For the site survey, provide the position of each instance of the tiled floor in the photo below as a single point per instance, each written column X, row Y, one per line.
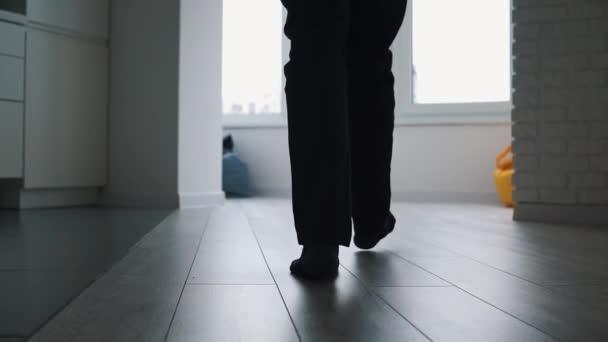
column 450, row 272
column 47, row 257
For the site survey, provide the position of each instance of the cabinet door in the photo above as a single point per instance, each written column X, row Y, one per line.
column 11, row 78
column 12, row 40
column 85, row 16
column 11, row 139
column 65, row 112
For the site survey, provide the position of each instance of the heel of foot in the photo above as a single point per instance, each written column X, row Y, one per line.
column 299, row 270
column 369, row 242
column 317, row 262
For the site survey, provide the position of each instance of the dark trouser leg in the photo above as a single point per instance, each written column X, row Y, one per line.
column 374, row 26
column 316, row 93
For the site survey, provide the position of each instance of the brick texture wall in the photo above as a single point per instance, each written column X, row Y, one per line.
column 560, row 116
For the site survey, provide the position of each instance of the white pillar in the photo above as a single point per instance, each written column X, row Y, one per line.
column 200, row 104
column 142, row 125
column 165, row 115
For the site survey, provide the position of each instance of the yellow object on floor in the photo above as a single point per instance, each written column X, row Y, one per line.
column 503, row 176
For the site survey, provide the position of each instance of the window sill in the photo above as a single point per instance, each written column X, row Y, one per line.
column 236, row 121
column 445, row 119
column 243, row 121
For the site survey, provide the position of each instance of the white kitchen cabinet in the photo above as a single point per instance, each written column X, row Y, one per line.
column 11, row 78
column 83, row 16
column 12, row 39
column 11, row 139
column 53, row 101
column 65, row 111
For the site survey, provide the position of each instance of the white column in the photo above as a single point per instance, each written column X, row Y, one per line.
column 143, row 104
column 200, row 106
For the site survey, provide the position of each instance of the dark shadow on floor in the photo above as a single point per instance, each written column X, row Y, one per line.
column 47, row 257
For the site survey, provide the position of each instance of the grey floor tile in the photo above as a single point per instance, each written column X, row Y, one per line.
column 517, row 259
column 543, row 254
column 401, row 241
column 229, row 253
column 341, row 310
column 136, row 300
column 168, row 251
column 386, row 269
column 592, row 295
column 231, row 313
column 451, row 272
column 180, row 228
column 449, row 314
column 227, row 264
column 117, row 308
column 167, row 262
column 29, row 298
column 555, row 314
column 71, row 239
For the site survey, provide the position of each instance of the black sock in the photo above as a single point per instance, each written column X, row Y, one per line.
column 369, row 241
column 317, row 262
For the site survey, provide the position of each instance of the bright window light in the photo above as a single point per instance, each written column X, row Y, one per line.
column 461, row 51
column 252, row 75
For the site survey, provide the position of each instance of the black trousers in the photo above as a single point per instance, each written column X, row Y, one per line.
column 340, row 102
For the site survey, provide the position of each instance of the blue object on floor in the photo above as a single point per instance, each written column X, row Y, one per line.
column 235, row 180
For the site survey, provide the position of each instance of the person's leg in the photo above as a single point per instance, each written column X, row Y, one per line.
column 317, row 119
column 374, row 26
column 318, row 131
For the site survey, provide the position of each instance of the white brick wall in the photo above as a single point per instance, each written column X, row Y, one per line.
column 560, row 97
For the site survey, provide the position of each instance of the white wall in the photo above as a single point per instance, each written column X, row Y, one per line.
column 165, row 104
column 452, row 162
column 143, row 103
column 200, row 106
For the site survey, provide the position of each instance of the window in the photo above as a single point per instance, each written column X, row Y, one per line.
column 461, row 51
column 451, row 59
column 252, row 40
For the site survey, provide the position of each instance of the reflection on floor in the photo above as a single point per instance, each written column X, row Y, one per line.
column 47, row 257
column 450, row 272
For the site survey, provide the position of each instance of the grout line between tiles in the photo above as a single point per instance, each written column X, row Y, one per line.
column 273, row 278
column 188, row 276
column 479, row 298
column 374, row 294
column 226, row 284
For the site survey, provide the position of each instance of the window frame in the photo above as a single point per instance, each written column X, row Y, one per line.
column 407, row 112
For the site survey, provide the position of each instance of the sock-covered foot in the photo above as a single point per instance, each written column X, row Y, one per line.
column 369, row 241
column 317, row 262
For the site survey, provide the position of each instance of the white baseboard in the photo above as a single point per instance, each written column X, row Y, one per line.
column 195, row 200
column 130, row 199
column 562, row 214
column 405, row 196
